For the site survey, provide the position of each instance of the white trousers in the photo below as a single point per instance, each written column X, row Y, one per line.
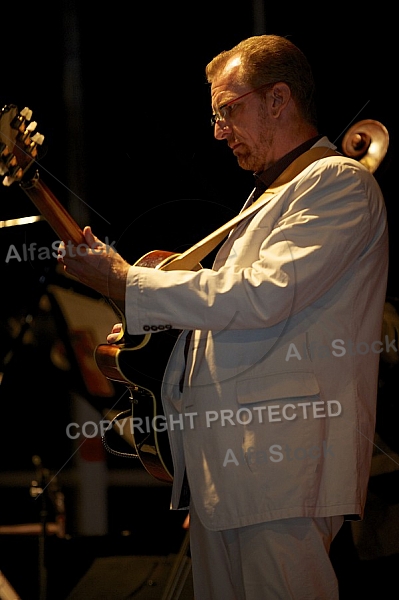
column 286, row 559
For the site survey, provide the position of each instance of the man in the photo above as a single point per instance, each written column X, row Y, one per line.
column 276, row 386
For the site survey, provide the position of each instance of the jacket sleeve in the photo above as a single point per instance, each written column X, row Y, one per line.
column 306, row 239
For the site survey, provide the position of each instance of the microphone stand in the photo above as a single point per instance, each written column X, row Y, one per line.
column 39, row 490
column 45, row 488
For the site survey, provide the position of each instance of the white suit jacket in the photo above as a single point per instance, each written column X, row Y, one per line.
column 277, row 414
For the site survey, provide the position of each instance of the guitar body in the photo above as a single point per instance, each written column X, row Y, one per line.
column 139, row 362
column 140, row 365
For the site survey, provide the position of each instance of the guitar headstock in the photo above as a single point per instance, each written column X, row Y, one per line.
column 19, row 143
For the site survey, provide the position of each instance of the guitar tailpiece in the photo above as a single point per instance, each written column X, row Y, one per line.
column 105, row 442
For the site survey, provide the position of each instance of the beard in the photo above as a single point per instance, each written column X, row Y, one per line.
column 245, row 159
column 256, row 156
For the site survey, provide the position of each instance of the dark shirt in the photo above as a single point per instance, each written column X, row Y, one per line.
column 264, row 179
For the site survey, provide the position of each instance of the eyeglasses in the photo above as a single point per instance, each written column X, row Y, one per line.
column 224, row 111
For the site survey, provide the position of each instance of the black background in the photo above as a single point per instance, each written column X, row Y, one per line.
column 119, row 92
column 121, row 97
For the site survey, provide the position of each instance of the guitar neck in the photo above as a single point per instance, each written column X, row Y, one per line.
column 53, row 211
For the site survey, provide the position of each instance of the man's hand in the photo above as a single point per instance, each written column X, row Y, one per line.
column 98, row 266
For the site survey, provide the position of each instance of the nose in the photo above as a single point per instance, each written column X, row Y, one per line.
column 221, row 130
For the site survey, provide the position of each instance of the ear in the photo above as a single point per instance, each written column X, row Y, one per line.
column 280, row 97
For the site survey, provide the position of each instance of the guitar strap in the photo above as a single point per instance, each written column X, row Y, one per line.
column 192, row 257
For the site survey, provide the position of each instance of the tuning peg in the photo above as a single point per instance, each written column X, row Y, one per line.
column 26, row 113
column 26, row 137
column 32, row 126
column 7, row 181
column 38, row 138
column 21, row 119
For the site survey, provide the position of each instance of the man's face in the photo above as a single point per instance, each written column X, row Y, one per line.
column 248, row 126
